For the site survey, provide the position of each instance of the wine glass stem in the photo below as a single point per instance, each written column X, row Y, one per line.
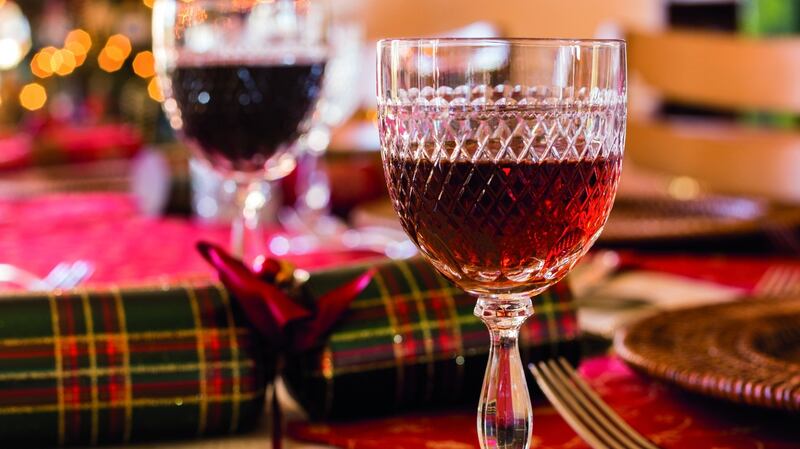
column 314, row 200
column 247, row 235
column 505, row 415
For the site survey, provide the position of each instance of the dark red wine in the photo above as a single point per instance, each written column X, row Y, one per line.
column 240, row 115
column 504, row 227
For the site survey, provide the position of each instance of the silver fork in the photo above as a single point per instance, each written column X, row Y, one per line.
column 71, row 275
column 63, row 276
column 587, row 414
column 778, row 281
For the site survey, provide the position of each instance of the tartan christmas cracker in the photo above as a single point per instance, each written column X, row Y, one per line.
column 113, row 366
column 185, row 361
column 410, row 341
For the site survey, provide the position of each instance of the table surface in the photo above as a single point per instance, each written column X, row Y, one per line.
column 90, row 228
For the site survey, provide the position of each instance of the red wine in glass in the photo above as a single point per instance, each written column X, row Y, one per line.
column 239, row 115
column 506, row 224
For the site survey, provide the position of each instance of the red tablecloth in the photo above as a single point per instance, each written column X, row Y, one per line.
column 668, row 417
column 128, row 248
column 62, row 143
column 106, row 230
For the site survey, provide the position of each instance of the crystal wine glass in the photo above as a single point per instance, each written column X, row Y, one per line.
column 240, row 79
column 502, row 158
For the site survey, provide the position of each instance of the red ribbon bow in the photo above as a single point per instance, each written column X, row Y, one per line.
column 285, row 325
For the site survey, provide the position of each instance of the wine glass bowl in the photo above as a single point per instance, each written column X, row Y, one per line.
column 502, row 158
column 503, row 197
column 243, row 116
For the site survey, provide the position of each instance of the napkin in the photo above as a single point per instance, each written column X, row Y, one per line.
column 613, row 289
column 633, row 295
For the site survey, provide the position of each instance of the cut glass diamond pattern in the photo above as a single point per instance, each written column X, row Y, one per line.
column 433, row 138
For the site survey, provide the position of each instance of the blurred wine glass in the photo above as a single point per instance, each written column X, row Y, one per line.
column 241, row 80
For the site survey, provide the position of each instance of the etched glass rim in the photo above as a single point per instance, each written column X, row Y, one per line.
column 466, row 42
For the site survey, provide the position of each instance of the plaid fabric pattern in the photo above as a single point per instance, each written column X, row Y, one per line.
column 113, row 366
column 410, row 341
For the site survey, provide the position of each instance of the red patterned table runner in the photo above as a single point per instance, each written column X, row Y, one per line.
column 668, row 417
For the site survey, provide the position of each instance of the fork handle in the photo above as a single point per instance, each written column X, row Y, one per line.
column 504, row 414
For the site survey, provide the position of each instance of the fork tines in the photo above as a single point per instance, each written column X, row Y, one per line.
column 587, row 414
column 779, row 281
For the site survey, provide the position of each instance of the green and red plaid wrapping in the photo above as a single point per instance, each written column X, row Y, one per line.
column 115, row 366
column 411, row 341
column 112, row 366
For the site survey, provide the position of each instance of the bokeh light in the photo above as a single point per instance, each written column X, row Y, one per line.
column 114, row 54
column 109, row 60
column 154, row 90
column 79, row 42
column 15, row 35
column 63, row 62
column 121, row 42
column 144, row 64
column 33, row 96
column 41, row 64
column 10, row 53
